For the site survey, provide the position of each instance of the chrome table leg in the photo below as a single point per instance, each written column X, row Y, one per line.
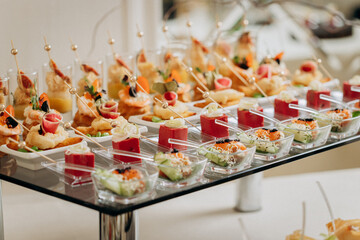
column 121, row 227
column 248, row 193
column 1, row 216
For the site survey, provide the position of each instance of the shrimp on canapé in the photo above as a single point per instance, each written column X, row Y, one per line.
column 9, row 128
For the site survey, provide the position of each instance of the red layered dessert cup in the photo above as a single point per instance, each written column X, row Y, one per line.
column 126, row 138
column 281, row 108
column 209, row 127
column 81, row 158
column 314, row 101
column 129, row 145
column 247, row 119
column 350, row 95
column 166, row 132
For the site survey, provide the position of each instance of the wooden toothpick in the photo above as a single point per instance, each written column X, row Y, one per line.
column 225, row 61
column 190, row 71
column 140, row 35
column 23, row 145
column 321, row 65
column 166, row 106
column 111, row 42
column 327, row 204
column 68, row 126
column 14, row 52
column 207, row 95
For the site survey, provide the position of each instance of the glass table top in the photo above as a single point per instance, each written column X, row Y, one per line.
column 48, row 183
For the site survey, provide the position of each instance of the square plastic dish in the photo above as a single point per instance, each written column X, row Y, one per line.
column 114, row 190
column 156, row 125
column 32, row 160
column 226, row 163
column 73, row 180
column 307, row 139
column 169, row 176
column 340, row 129
column 268, row 150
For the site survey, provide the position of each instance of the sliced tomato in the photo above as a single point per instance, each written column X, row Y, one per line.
column 43, row 98
column 144, row 83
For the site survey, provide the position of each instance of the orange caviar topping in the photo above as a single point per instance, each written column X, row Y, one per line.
column 231, row 147
column 264, row 133
column 345, row 113
column 311, row 124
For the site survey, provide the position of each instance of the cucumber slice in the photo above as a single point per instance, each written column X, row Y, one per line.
column 173, row 173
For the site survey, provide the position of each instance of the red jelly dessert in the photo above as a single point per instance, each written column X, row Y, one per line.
column 282, row 109
column 246, row 118
column 166, row 132
column 348, row 94
column 314, row 101
column 209, row 127
column 74, row 156
column 129, row 145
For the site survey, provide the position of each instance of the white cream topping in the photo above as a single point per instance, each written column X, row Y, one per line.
column 80, row 148
column 316, row 85
column 355, row 80
column 287, row 96
column 128, row 130
column 246, row 104
column 175, row 123
column 212, row 110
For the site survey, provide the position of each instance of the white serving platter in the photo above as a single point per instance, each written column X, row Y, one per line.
column 138, row 120
column 105, row 139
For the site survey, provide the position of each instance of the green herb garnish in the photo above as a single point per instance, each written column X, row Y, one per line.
column 156, row 119
column 258, row 95
column 356, row 114
column 198, row 69
column 236, row 60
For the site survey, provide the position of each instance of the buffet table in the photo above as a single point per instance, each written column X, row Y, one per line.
column 122, row 216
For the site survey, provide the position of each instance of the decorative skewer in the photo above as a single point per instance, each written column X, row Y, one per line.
column 3, row 109
column 14, row 52
column 165, row 105
column 67, row 125
column 23, row 145
column 218, row 25
column 165, row 30
column 189, row 70
column 207, row 95
column 327, row 204
column 111, row 42
column 225, row 61
column 319, row 62
column 244, row 232
column 303, row 221
column 74, row 49
column 140, row 35
column 189, row 25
